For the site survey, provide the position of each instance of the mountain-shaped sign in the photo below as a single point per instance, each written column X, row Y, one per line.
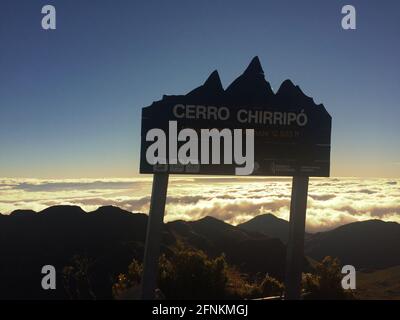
column 292, row 134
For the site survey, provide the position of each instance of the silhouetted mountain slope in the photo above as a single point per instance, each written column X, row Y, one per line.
column 241, row 248
column 269, row 225
column 367, row 244
column 215, row 230
column 110, row 238
column 23, row 213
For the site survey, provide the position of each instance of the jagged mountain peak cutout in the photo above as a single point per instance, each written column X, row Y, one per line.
column 291, row 94
column 211, row 87
column 289, row 89
column 250, row 89
column 287, row 85
column 254, row 67
column 214, row 81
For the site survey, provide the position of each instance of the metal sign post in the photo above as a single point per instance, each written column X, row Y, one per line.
column 154, row 234
column 295, row 247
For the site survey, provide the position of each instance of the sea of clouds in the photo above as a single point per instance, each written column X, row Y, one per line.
column 331, row 202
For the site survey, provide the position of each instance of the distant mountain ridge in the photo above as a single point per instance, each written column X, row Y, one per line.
column 112, row 237
column 367, row 244
column 268, row 224
column 214, row 237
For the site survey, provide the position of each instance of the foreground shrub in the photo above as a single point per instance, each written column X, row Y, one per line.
column 189, row 274
column 325, row 284
column 271, row 287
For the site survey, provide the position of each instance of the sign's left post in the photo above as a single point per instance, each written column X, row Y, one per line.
column 154, row 235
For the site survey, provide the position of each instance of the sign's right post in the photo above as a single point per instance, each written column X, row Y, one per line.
column 295, row 247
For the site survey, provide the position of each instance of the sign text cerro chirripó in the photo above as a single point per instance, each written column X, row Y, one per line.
column 246, row 129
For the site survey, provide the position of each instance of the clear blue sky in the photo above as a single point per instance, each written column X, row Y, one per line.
column 70, row 99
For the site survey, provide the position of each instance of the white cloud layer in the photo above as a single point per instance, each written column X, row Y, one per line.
column 332, row 202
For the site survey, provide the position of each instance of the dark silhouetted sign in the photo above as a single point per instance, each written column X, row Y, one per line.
column 246, row 129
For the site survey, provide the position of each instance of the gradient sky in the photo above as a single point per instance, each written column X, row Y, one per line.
column 71, row 99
